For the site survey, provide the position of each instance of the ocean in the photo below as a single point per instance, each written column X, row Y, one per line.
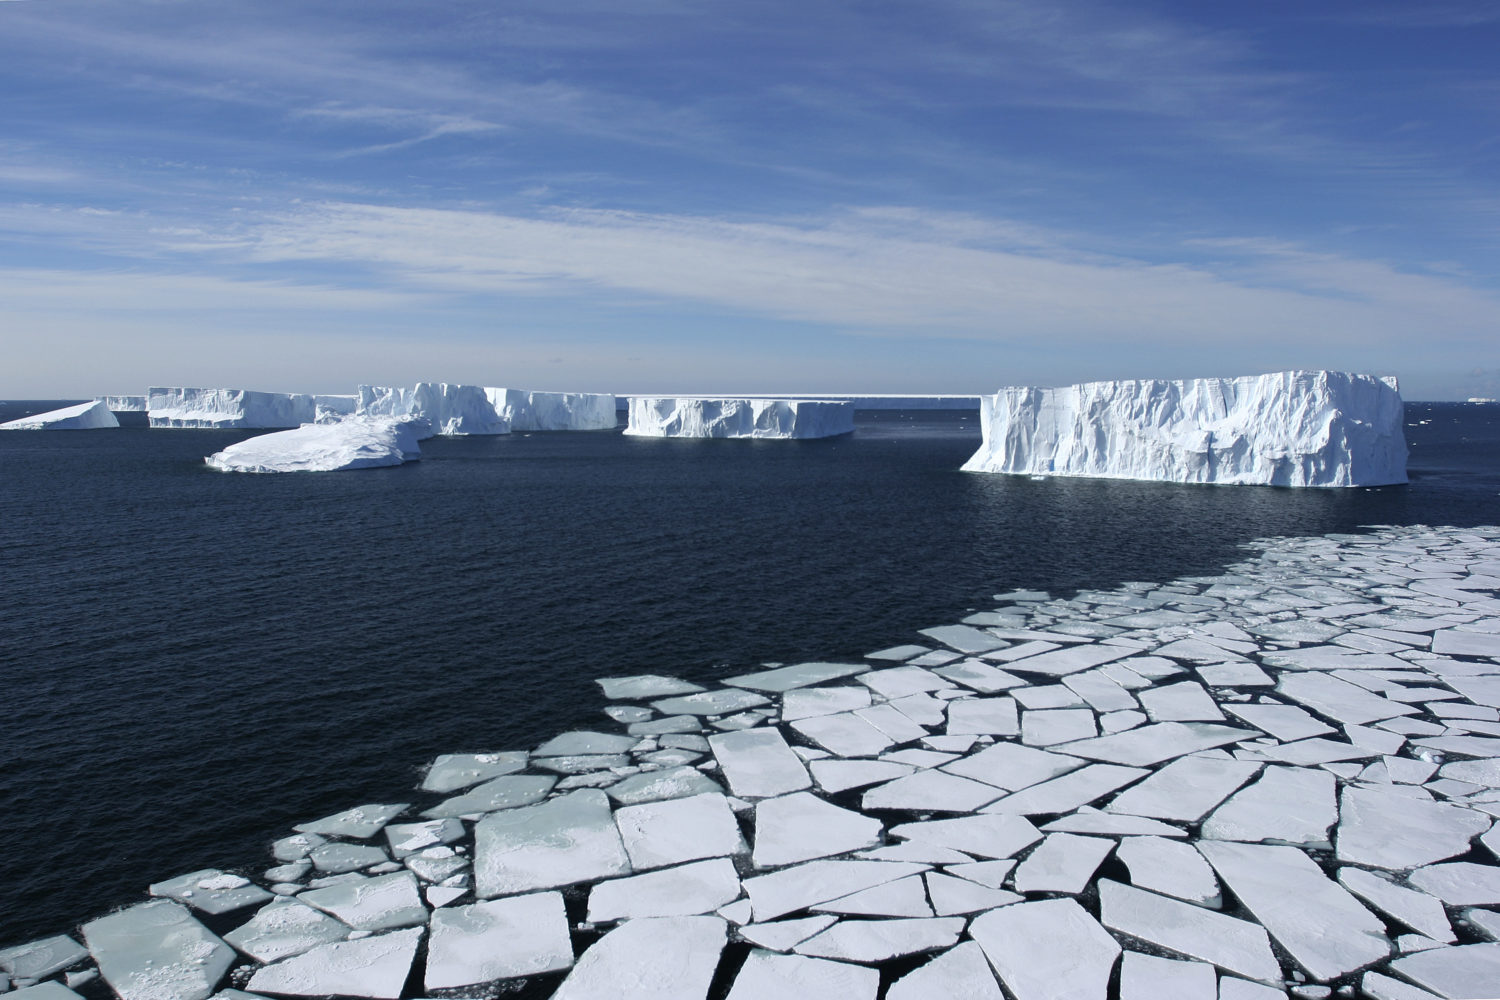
column 194, row 661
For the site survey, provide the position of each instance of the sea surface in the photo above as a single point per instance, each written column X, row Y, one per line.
column 194, row 661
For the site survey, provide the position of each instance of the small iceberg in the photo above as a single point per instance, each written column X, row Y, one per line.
column 82, row 417
column 354, row 443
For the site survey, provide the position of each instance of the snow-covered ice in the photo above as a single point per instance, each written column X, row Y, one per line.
column 692, row 417
column 526, row 410
column 222, row 409
column 356, row 443
column 95, row 415
column 1048, row 950
column 374, row 966
column 658, row 958
column 157, row 951
column 498, row 939
column 123, row 404
column 698, row 887
column 768, row 976
column 449, row 409
column 564, row 840
column 657, row 834
column 1298, row 428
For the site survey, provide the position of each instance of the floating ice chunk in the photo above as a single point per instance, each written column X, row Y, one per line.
column 1459, row 883
column 569, row 839
column 1012, row 766
column 960, row 973
column 1383, row 828
column 44, row 991
column 1243, row 989
column 1047, row 950
column 1169, row 867
column 285, row 927
column 348, row 444
column 1185, row 789
column 657, row 834
column 797, row 676
column 930, row 791
column 658, row 958
column 409, row 838
column 951, row 895
column 451, row 772
column 157, row 951
column 965, row 638
column 980, row 676
column 898, row 682
column 738, row 418
column 1321, row 925
column 905, row 897
column 1298, row 428
column 898, row 653
column 227, row 408
column 758, row 763
column 892, row 722
column 498, row 939
column 1470, row 970
column 983, row 716
column 1185, row 701
column 336, row 858
column 641, row 686
column 1156, row 743
column 1062, row 863
column 768, row 976
column 670, row 783
column 845, row 734
column 1417, row 910
column 1106, row 824
column 37, row 959
column 82, row 417
column 1059, row 725
column 1338, row 699
column 801, row 826
column 782, row 935
column 839, row 775
column 878, row 940
column 531, row 411
column 1458, row 642
column 361, row 822
column 211, row 891
column 710, row 702
column 808, row 703
column 1070, row 660
column 991, row 874
column 819, row 882
column 1147, row 977
column 671, row 892
column 374, row 966
column 1068, row 792
column 981, row 836
column 374, row 904
column 1192, row 931
column 1288, row 805
column 1101, row 693
column 295, row 847
column 505, row 792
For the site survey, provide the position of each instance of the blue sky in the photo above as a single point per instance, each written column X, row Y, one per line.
column 667, row 196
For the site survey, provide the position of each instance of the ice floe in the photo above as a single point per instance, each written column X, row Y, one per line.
column 356, row 443
column 81, row 417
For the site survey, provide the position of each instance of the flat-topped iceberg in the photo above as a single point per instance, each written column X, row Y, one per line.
column 352, row 443
column 450, row 408
column 82, row 417
column 223, row 409
column 554, row 411
column 1298, row 428
column 124, row 404
column 691, row 417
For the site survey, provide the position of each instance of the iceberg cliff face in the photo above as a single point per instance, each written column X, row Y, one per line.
column 124, row 404
column 450, row 408
column 83, row 417
column 1299, row 428
column 353, row 443
column 738, row 418
column 554, row 411
column 227, row 408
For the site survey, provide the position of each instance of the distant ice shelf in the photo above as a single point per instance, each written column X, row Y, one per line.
column 124, row 404
column 528, row 410
column 1297, row 428
column 81, row 417
column 873, row 401
column 353, row 443
column 227, row 408
column 451, row 409
column 696, row 417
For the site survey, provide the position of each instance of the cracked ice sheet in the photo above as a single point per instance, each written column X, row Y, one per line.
column 839, row 775
column 768, row 976
column 1012, row 766
column 1064, row 862
column 1155, row 743
column 642, row 686
column 1169, row 867
column 878, row 940
column 808, row 703
column 657, row 834
column 1417, row 910
column 285, row 927
column 844, row 734
column 1236, row 945
column 214, row 892
column 797, row 676
column 1319, row 923
column 801, row 826
column 498, row 939
column 569, row 839
column 1186, row 789
column 998, row 836
column 1067, row 793
column 372, row 904
column 1288, row 805
column 905, row 897
column 1384, row 828
column 982, row 716
column 1466, row 971
column 1070, row 659
column 657, row 958
column 960, row 973
column 37, row 959
column 758, row 763
column 669, row 892
column 820, row 882
column 1185, row 701
column 361, row 822
column 507, row 792
column 930, row 791
column 451, row 772
column 157, row 951
column 1340, row 700
column 1047, row 950
column 369, row 967
column 1147, row 977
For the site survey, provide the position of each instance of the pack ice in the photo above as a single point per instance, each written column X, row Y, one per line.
column 525, row 410
column 691, row 417
column 1297, row 428
column 353, row 443
column 227, row 408
column 82, row 417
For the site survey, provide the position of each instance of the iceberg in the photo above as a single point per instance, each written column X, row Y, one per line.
column 124, row 404
column 353, row 443
column 330, row 409
column 554, row 411
column 82, row 417
column 227, row 408
column 1296, row 428
column 451, row 409
column 689, row 417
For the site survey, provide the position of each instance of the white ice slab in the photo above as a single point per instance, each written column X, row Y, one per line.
column 43, row 957
column 1064, row 862
column 1466, row 971
column 1069, row 660
column 717, row 702
column 1185, row 701
column 355, row 443
column 212, row 891
column 1112, row 825
column 409, row 838
column 838, row 775
column 1191, row 931
column 758, row 763
column 372, row 904
column 960, row 973
column 844, row 734
column 667, row 783
column 285, row 927
column 1417, row 910
column 657, row 834
column 451, row 772
column 368, row 967
column 1340, row 700
column 509, row 791
column 930, row 791
column 1169, row 867
column 1068, row 792
column 1459, row 883
column 801, row 826
column 1149, row 977
column 819, row 882
column 905, row 897
column 360, row 823
column 157, row 951
column 1047, row 950
column 699, row 887
column 982, row 836
column 638, row 687
column 1288, row 805
column 808, row 703
column 498, row 939
column 1384, row 828
column 659, row 958
column 569, row 839
column 1061, row 725
column 951, row 895
column 1012, row 766
column 983, row 716
column 768, row 976
column 1185, row 789
column 879, row 940
column 1156, row 743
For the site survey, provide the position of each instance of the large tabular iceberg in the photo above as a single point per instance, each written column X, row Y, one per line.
column 555, row 411
column 82, row 417
column 738, row 418
column 1299, row 428
column 352, row 443
column 227, row 408
column 450, row 408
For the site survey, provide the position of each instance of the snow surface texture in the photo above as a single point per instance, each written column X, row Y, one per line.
column 1301, row 428
column 227, row 408
column 82, row 417
column 1288, row 784
column 688, row 417
column 450, row 409
column 352, row 443
column 554, row 411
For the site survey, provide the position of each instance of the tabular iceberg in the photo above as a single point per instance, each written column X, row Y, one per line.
column 554, row 411
column 1298, row 428
column 450, row 408
column 328, row 409
column 227, row 408
column 124, row 404
column 352, row 443
column 82, row 417
column 738, row 418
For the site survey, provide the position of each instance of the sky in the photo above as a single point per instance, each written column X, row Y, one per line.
column 764, row 196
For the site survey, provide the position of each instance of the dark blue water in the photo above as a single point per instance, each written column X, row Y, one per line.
column 194, row 661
